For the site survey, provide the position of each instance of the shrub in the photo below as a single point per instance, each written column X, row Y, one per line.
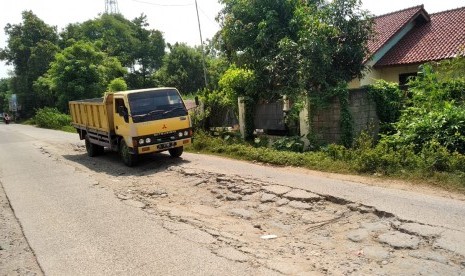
column 261, row 142
column 436, row 158
column 118, row 84
column 48, row 117
column 337, row 152
column 389, row 101
column 294, row 144
column 435, row 113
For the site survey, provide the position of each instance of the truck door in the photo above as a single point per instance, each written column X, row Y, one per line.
column 121, row 118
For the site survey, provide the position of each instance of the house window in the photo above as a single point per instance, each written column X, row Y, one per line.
column 404, row 78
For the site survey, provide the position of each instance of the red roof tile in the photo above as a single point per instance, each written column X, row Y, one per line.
column 441, row 38
column 387, row 25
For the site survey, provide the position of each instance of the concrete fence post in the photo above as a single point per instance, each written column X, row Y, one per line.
column 305, row 123
column 241, row 105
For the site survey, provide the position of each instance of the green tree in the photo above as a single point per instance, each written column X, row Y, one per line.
column 114, row 33
column 293, row 45
column 138, row 48
column 148, row 53
column 4, row 94
column 182, row 68
column 250, row 35
column 78, row 72
column 31, row 45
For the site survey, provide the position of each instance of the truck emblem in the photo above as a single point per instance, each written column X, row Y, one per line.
column 164, row 126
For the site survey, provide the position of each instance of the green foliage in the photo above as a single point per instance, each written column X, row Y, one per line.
column 216, row 67
column 294, row 45
column 390, row 101
column 434, row 164
column 261, row 142
column 182, row 68
column 419, row 127
column 236, row 83
column 347, row 128
column 117, row 84
column 51, row 118
column 294, row 144
column 136, row 47
column 435, row 114
column 31, row 45
column 5, row 93
column 80, row 71
column 451, row 69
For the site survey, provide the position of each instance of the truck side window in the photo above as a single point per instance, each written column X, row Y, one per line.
column 121, row 109
column 118, row 103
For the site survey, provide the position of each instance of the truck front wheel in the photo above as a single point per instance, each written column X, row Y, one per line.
column 93, row 149
column 128, row 158
column 176, row 152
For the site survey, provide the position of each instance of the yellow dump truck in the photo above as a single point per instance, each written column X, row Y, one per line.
column 133, row 122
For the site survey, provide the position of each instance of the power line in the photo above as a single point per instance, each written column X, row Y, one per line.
column 205, row 14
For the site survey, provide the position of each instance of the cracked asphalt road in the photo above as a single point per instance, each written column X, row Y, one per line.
column 208, row 215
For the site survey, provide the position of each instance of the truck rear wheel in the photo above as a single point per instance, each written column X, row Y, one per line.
column 128, row 158
column 93, row 149
column 176, row 152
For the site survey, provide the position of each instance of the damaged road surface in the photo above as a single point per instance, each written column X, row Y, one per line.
column 205, row 215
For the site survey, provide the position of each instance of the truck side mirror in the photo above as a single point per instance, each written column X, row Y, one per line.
column 196, row 101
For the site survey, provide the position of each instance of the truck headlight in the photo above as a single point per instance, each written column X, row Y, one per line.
column 141, row 141
column 180, row 134
column 148, row 140
column 186, row 133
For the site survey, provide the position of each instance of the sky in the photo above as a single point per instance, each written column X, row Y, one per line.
column 177, row 19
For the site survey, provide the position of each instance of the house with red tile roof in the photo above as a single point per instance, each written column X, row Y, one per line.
column 402, row 41
column 405, row 39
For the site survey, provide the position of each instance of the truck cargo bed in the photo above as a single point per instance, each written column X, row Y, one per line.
column 92, row 114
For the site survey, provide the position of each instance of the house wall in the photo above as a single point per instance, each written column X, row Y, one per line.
column 390, row 74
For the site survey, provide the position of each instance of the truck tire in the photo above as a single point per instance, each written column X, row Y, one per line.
column 176, row 152
column 128, row 158
column 92, row 149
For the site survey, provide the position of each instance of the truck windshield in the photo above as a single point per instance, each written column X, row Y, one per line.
column 156, row 104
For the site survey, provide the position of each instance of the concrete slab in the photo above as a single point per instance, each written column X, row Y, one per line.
column 399, row 240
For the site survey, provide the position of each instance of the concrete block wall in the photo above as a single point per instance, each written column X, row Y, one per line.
column 326, row 121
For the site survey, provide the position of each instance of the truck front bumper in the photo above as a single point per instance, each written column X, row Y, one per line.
column 163, row 146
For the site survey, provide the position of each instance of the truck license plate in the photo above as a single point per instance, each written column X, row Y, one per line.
column 166, row 145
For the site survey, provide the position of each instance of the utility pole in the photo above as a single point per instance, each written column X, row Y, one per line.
column 111, row 6
column 201, row 46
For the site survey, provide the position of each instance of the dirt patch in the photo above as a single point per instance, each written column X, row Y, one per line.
column 16, row 257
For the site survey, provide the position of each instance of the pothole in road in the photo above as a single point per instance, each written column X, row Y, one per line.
column 287, row 230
